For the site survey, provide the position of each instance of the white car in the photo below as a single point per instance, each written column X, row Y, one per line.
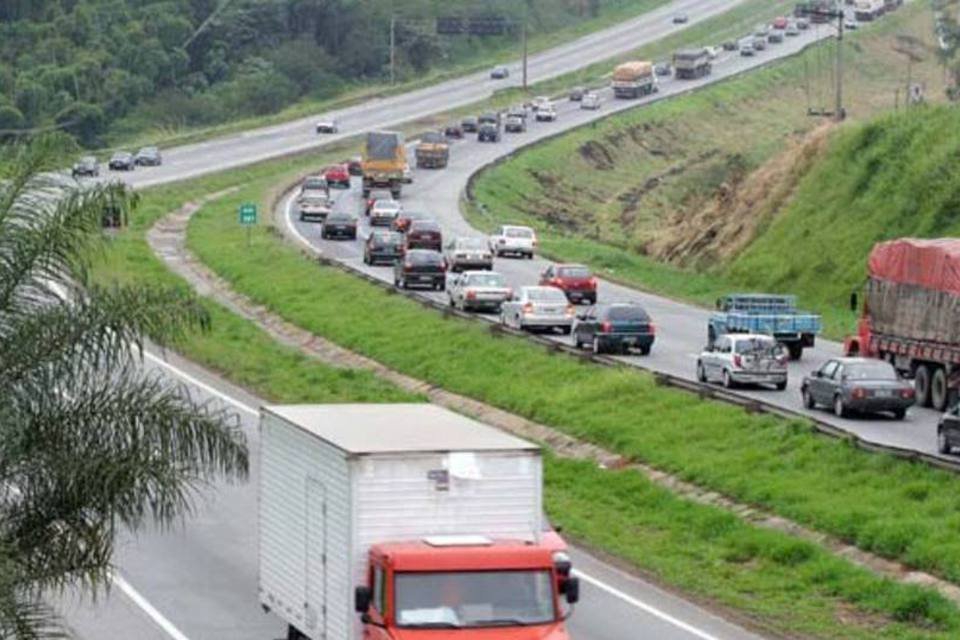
column 546, row 113
column 590, row 101
column 538, row 308
column 540, row 102
column 712, row 52
column 850, row 25
column 384, row 212
column 746, row 47
column 314, row 206
column 478, row 291
column 513, row 240
column 736, row 359
column 327, row 126
column 468, row 254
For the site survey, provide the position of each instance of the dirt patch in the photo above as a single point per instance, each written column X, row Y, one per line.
column 597, row 155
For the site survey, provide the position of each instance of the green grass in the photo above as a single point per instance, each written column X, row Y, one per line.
column 612, row 216
column 898, row 509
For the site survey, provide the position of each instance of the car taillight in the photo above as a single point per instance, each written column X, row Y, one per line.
column 907, row 392
column 737, row 360
column 528, row 308
column 471, row 295
column 592, row 283
column 859, row 392
column 407, row 266
column 606, row 327
column 651, row 328
column 557, row 282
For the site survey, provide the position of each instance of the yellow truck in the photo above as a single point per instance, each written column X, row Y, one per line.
column 384, row 162
column 634, row 79
column 433, row 151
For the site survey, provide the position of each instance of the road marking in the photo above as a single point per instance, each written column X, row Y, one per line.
column 168, row 627
column 199, row 383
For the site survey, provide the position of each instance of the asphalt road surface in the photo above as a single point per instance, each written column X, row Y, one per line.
column 682, row 327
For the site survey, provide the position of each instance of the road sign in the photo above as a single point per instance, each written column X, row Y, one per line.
column 248, row 213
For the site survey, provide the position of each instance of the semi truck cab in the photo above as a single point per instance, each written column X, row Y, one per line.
column 467, row 585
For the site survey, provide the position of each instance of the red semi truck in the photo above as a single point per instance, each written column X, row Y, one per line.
column 911, row 315
column 403, row 522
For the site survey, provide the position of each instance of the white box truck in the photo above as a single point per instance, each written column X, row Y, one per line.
column 378, row 520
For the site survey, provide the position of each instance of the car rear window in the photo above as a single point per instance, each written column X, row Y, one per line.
column 870, row 371
column 755, row 345
column 486, row 280
column 546, row 294
column 315, row 200
column 339, row 217
column 385, row 239
column 424, row 257
column 627, row 314
column 424, row 225
column 471, row 243
column 573, row 272
column 518, row 233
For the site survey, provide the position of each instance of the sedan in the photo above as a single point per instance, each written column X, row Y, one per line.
column 148, row 157
column 616, row 327
column 86, row 166
column 546, row 113
column 420, row 267
column 339, row 225
column 577, row 93
column 680, row 18
column 337, row 176
column 383, row 247
column 384, row 212
column 314, row 185
column 663, row 69
column 479, row 291
column 590, row 101
column 850, row 385
column 509, row 239
column 792, row 30
column 470, row 124
column 122, row 161
column 375, row 196
column 515, row 124
column 403, row 221
column 313, row 206
column 948, row 431
column 538, row 308
column 468, row 253
column 327, row 126
column 424, row 234
column 499, row 73
column 453, row 131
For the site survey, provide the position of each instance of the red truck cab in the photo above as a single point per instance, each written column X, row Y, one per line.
column 575, row 280
column 466, row 587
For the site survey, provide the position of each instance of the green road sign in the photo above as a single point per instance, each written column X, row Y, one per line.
column 248, row 213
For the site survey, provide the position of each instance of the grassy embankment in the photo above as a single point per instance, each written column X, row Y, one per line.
column 781, row 584
column 609, row 194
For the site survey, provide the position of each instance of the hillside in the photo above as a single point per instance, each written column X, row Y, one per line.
column 109, row 69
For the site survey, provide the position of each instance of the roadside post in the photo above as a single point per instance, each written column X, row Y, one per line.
column 248, row 217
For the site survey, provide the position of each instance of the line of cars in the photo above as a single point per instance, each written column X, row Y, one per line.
column 89, row 166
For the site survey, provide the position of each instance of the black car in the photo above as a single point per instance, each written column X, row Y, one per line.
column 339, row 225
column 948, row 431
column 862, row 385
column 663, row 69
column 577, row 93
column 488, row 133
column 122, row 161
column 86, row 166
column 454, row 130
column 499, row 73
column 424, row 234
column 470, row 124
column 148, row 157
column 680, row 18
column 421, row 267
column 383, row 246
column 614, row 327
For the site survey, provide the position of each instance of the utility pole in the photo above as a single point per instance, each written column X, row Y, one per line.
column 838, row 113
column 393, row 47
column 526, row 13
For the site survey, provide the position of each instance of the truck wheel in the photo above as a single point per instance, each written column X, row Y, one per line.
column 938, row 389
column 796, row 350
column 921, row 384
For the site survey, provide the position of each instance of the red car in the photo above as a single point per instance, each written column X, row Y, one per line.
column 337, row 175
column 402, row 222
column 355, row 166
column 424, row 234
column 575, row 280
column 780, row 23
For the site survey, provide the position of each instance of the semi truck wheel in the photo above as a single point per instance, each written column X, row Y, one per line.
column 921, row 385
column 938, row 389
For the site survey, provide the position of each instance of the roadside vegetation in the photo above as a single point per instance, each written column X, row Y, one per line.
column 670, row 197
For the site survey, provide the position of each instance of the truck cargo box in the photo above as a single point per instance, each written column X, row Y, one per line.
column 336, row 479
column 914, row 289
column 630, row 71
column 384, row 145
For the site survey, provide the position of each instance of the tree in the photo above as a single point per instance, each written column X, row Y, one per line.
column 90, row 442
column 84, row 121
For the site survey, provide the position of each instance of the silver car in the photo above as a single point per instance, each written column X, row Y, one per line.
column 478, row 291
column 538, row 308
column 384, row 212
column 736, row 359
column 468, row 253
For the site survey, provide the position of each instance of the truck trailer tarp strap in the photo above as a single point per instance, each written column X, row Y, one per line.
column 932, row 264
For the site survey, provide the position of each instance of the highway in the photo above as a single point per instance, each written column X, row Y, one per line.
column 683, row 327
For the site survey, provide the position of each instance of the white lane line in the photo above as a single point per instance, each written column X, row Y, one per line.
column 657, row 613
column 199, row 383
column 168, row 627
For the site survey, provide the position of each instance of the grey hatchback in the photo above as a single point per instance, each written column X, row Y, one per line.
column 864, row 385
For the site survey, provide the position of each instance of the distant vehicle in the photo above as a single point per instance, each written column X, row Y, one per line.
column 858, row 385
column 339, row 224
column 616, row 327
column 577, row 93
column 546, row 113
column 402, row 222
column 691, row 63
column 384, row 212
column 478, row 291
column 736, row 359
column 775, row 37
column 850, row 25
column 591, row 101
column 633, row 79
column 432, row 151
column 337, row 175
column 767, row 314
column 712, row 52
column 465, row 254
column 488, row 117
column 148, row 157
column 515, row 124
column 541, row 101
column 517, row 111
column 375, row 196
column 680, row 18
column 780, row 22
column 424, row 234
column 538, row 308
column 802, row 23
column 948, row 431
column 746, row 47
column 86, row 166
column 327, row 126
column 454, row 130
column 355, row 166
column 575, row 280
column 469, row 124
column 792, row 30
column 663, row 69
column 867, row 10
column 761, row 31
column 729, row 45
column 314, row 184
column 314, row 205
column 516, row 240
column 420, row 267
column 759, row 44
column 489, row 131
column 122, row 161
column 499, row 73
column 382, row 246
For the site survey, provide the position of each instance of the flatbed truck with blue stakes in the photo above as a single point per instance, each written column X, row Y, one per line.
column 766, row 314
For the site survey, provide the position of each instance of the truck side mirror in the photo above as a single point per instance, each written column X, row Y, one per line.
column 362, row 597
column 853, row 302
column 571, row 589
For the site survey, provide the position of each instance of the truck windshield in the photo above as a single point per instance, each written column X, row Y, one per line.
column 474, row 599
